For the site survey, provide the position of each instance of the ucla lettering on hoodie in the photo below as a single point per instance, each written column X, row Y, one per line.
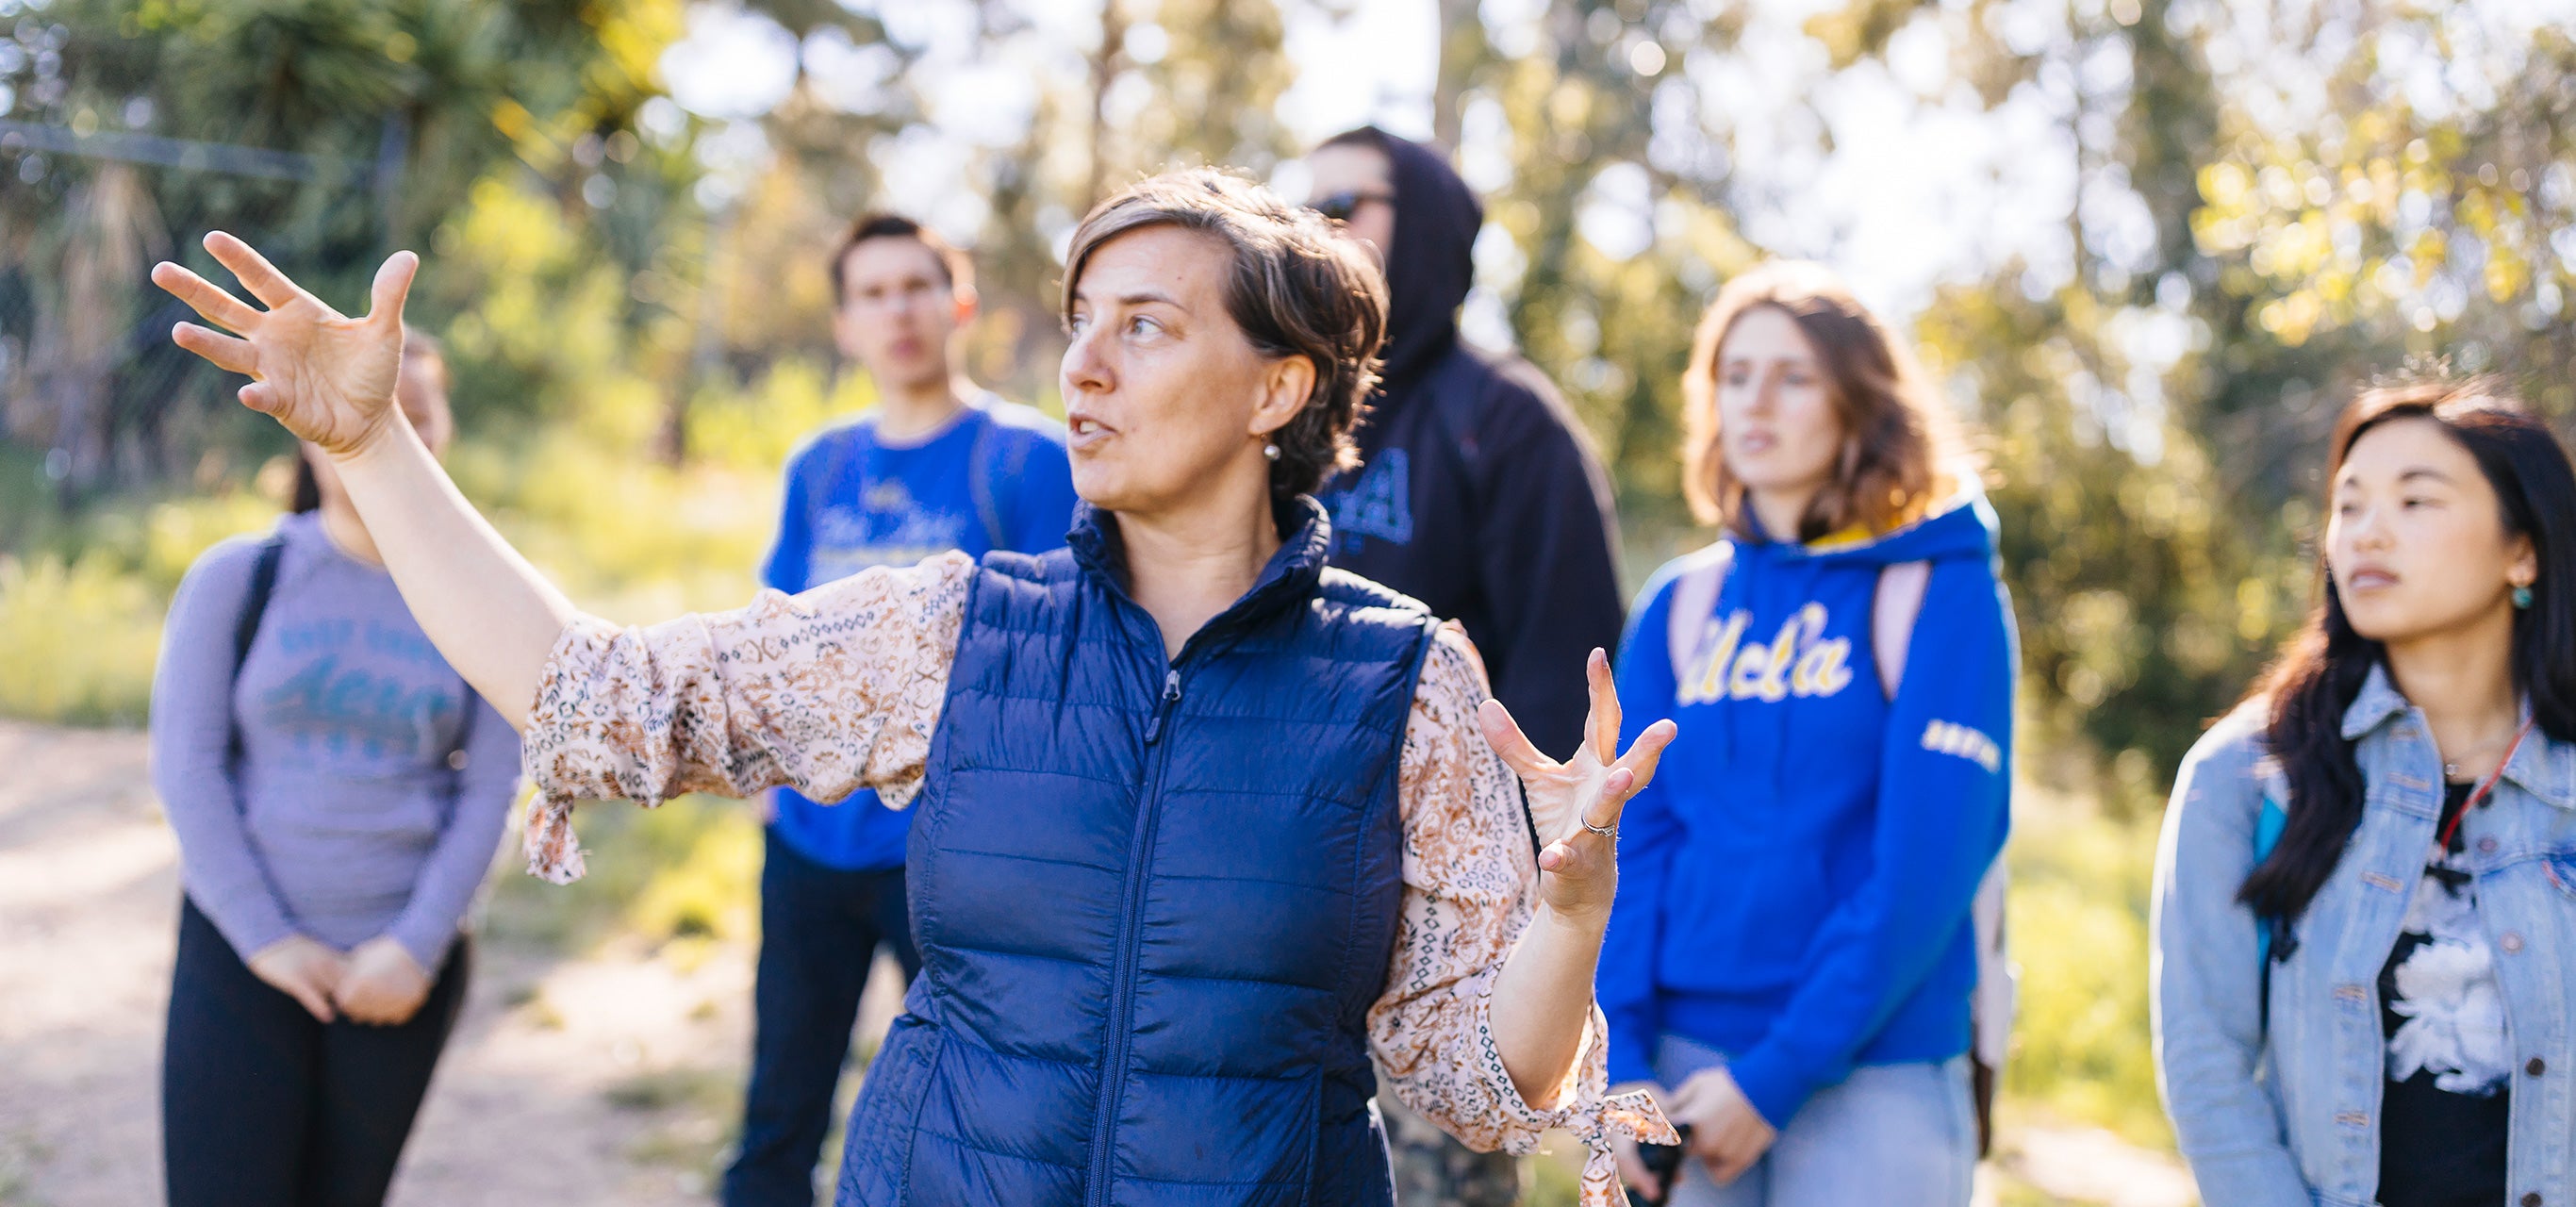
column 1799, row 661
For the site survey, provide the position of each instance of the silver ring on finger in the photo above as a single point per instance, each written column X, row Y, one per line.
column 1608, row 831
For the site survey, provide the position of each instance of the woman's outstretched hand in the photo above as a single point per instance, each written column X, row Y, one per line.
column 330, row 379
column 327, row 377
column 1578, row 866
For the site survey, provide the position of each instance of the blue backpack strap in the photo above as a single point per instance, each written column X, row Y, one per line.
column 2267, row 835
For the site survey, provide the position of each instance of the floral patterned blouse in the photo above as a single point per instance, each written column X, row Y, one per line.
column 840, row 688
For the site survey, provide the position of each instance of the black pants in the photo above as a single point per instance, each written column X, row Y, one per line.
column 819, row 931
column 262, row 1106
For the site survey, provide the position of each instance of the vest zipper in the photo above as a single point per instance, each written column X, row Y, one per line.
column 1122, row 985
column 1171, row 696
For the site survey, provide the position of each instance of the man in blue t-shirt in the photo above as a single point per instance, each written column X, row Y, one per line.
column 938, row 464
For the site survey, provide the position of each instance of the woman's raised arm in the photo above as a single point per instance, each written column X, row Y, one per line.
column 330, row 380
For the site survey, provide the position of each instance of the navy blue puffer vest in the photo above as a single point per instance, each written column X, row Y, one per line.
column 1154, row 900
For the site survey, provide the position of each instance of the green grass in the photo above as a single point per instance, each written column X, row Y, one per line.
column 686, row 873
column 79, row 639
column 81, row 602
column 2078, row 929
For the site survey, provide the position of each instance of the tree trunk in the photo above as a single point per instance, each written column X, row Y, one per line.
column 1462, row 51
column 1104, row 71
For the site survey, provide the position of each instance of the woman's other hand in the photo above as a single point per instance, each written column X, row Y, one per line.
column 303, row 969
column 385, row 986
column 1727, row 1135
column 1632, row 1168
column 1579, row 867
column 327, row 377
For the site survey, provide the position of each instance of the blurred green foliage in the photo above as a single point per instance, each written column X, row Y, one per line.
column 682, row 872
column 2077, row 926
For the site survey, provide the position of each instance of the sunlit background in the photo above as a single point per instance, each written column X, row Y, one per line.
column 2147, row 247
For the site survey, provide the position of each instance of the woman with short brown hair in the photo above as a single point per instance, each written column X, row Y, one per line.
column 1206, row 827
column 1792, row 957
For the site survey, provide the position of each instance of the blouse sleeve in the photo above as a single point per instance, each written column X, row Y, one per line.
column 1470, row 886
column 828, row 692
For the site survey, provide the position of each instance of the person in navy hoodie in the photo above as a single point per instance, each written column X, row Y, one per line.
column 1792, row 955
column 1477, row 493
column 938, row 464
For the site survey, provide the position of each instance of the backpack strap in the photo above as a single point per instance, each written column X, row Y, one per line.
column 1894, row 608
column 1891, row 618
column 2268, row 826
column 980, row 475
column 254, row 606
column 457, row 757
column 1694, row 602
column 263, row 583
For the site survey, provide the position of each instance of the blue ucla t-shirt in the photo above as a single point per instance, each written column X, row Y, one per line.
column 997, row 478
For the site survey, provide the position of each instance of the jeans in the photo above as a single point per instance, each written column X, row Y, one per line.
column 819, row 931
column 1897, row 1135
column 263, row 1106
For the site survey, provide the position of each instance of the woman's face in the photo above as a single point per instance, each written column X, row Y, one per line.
column 421, row 391
column 1165, row 398
column 2416, row 539
column 1776, row 423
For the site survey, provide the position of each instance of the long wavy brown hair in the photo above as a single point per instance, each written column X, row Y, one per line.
column 1899, row 437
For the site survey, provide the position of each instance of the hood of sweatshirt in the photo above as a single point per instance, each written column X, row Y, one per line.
column 1433, row 262
column 1963, row 525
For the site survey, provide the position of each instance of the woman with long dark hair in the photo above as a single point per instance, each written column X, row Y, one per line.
column 2365, row 898
column 1206, row 825
column 338, row 792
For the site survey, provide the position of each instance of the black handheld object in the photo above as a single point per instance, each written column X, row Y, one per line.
column 1665, row 1162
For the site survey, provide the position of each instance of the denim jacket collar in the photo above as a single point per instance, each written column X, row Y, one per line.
column 2378, row 702
column 2542, row 766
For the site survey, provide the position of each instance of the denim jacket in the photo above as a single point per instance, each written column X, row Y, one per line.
column 2292, row 1116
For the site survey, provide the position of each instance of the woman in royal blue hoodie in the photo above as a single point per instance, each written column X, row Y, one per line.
column 1791, row 957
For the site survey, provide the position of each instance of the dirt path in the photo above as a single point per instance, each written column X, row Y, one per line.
column 603, row 1080
column 608, row 1079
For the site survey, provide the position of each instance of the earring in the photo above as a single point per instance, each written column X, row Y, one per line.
column 1271, row 451
column 2522, row 596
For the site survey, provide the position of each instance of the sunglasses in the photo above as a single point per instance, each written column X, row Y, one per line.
column 1340, row 206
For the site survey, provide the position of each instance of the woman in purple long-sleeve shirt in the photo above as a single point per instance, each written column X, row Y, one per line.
column 338, row 794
